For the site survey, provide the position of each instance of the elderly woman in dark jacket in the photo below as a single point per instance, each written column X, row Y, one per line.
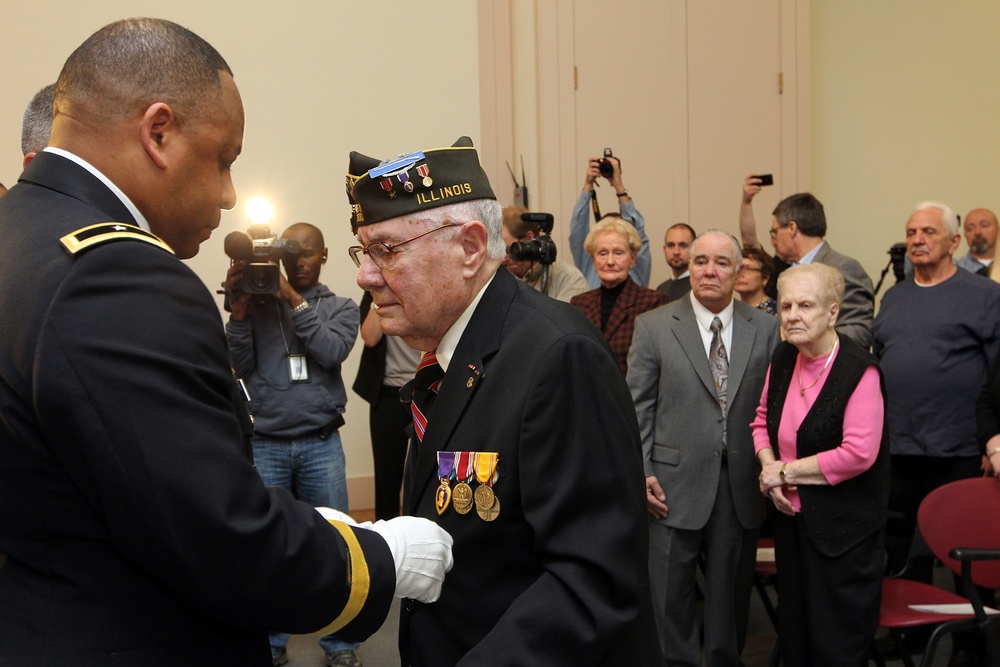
column 821, row 441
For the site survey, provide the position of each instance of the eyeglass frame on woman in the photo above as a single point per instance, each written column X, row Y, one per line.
column 389, row 259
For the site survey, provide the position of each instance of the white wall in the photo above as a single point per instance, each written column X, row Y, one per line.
column 319, row 78
column 905, row 96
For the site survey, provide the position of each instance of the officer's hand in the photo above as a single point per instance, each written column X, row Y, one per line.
column 239, row 301
column 331, row 514
column 421, row 551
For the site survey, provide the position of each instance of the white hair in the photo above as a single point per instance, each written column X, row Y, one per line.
column 948, row 216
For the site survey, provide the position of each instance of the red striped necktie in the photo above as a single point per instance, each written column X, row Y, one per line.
column 426, row 384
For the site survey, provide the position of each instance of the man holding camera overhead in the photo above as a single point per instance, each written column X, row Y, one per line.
column 287, row 348
column 611, row 169
column 551, row 277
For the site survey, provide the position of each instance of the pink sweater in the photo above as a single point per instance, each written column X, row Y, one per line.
column 862, row 423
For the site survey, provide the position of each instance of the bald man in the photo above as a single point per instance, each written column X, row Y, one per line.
column 981, row 234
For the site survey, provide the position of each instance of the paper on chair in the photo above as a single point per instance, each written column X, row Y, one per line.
column 961, row 609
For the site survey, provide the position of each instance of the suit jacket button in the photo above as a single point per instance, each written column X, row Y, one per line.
column 409, row 604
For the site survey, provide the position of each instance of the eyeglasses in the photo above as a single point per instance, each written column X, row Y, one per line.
column 774, row 230
column 750, row 268
column 384, row 254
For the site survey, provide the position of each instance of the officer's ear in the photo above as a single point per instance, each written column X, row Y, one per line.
column 158, row 133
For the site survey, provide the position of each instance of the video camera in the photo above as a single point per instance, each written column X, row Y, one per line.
column 260, row 253
column 541, row 249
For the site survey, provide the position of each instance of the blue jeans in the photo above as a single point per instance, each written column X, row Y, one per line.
column 313, row 470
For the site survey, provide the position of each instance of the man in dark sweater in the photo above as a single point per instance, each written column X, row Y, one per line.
column 936, row 335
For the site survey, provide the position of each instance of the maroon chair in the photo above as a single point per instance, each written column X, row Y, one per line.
column 961, row 524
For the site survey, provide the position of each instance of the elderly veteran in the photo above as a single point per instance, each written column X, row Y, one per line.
column 612, row 245
column 519, row 397
column 821, row 441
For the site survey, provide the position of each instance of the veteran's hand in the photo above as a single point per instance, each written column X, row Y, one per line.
column 421, row 550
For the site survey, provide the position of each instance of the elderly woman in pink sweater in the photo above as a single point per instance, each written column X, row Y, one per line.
column 820, row 438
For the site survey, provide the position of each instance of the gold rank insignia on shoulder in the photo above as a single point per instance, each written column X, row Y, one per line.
column 105, row 232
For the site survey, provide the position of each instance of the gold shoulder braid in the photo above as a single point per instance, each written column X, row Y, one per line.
column 105, row 232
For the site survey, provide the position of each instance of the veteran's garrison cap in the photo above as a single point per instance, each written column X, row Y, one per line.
column 414, row 182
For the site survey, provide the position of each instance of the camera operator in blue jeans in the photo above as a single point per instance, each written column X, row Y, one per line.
column 287, row 348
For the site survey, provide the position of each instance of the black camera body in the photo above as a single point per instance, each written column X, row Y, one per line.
column 260, row 253
column 604, row 165
column 897, row 257
column 541, row 249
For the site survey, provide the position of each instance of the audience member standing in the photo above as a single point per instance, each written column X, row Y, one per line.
column 824, row 458
column 288, row 348
column 560, row 280
column 755, row 272
column 37, row 122
column 613, row 245
column 579, row 225
column 798, row 228
column 696, row 369
column 387, row 363
column 981, row 234
column 935, row 336
column 677, row 251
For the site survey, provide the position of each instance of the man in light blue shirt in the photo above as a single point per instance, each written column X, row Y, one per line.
column 579, row 225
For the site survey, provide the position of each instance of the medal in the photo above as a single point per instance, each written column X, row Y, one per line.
column 446, row 467
column 425, row 171
column 491, row 513
column 485, row 464
column 484, row 497
column 404, row 178
column 461, row 495
column 386, row 184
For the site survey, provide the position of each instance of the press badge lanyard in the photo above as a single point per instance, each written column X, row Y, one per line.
column 298, row 367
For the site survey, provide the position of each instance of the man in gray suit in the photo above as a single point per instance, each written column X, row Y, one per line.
column 696, row 370
column 797, row 231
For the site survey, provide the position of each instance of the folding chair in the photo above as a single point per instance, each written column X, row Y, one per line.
column 961, row 524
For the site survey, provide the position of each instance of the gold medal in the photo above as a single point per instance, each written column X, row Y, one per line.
column 490, row 513
column 443, row 496
column 484, row 497
column 461, row 498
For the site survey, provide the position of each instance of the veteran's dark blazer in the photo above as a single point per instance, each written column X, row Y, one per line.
column 632, row 302
column 561, row 576
column 136, row 531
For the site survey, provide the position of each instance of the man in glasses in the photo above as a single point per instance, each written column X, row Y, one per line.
column 519, row 398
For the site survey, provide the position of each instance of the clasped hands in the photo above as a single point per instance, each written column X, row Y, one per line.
column 772, row 486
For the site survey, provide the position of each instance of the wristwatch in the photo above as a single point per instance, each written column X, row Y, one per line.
column 781, row 473
column 301, row 308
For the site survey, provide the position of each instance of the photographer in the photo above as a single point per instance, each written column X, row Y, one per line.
column 559, row 280
column 288, row 348
column 579, row 226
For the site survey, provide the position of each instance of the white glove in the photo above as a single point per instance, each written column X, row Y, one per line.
column 331, row 514
column 421, row 550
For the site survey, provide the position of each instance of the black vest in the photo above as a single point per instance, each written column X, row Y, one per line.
column 835, row 518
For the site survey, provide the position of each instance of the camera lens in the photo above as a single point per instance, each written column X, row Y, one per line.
column 606, row 168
